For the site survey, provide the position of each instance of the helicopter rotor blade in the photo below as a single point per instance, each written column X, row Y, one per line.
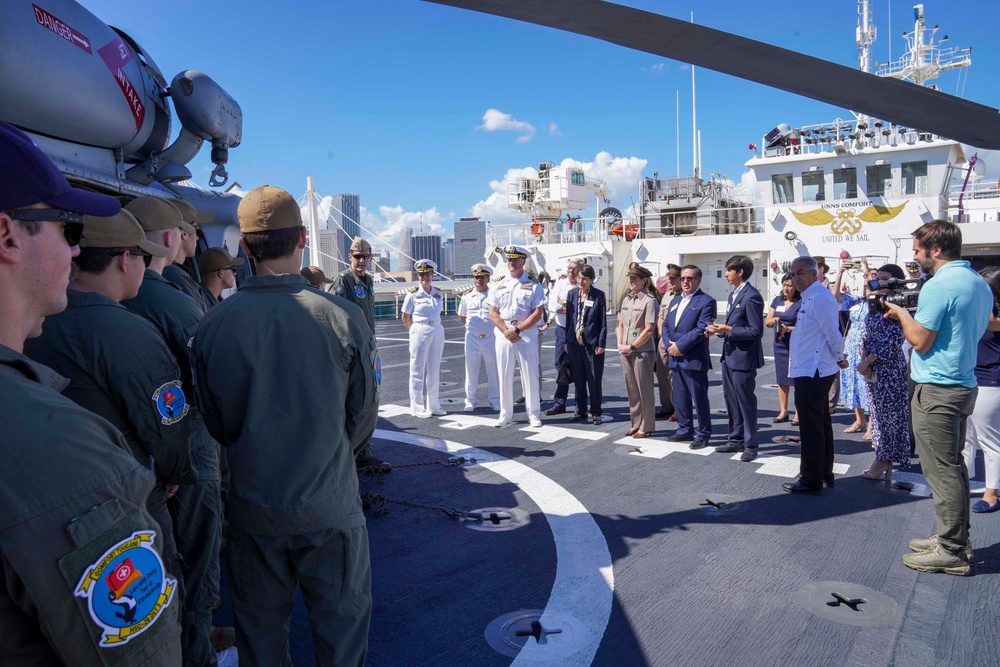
column 899, row 102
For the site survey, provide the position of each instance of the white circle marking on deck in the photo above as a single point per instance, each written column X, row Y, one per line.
column 584, row 582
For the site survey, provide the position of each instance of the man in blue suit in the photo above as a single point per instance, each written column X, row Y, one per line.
column 742, row 355
column 685, row 335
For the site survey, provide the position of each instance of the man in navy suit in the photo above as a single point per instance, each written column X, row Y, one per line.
column 685, row 331
column 742, row 355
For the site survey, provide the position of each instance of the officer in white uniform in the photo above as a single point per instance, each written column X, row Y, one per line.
column 480, row 343
column 517, row 304
column 422, row 317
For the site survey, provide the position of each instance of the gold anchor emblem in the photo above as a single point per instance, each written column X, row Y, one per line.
column 845, row 222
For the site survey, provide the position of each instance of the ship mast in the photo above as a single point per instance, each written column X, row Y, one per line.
column 866, row 36
column 924, row 59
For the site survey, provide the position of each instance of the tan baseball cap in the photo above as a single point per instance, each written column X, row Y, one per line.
column 214, row 259
column 267, row 209
column 190, row 214
column 360, row 245
column 121, row 230
column 155, row 213
column 315, row 275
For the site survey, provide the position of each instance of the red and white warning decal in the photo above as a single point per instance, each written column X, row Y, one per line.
column 116, row 54
column 67, row 32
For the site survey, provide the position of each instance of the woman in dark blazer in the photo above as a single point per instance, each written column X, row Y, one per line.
column 586, row 337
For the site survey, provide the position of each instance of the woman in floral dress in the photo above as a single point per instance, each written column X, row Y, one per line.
column 883, row 365
column 853, row 392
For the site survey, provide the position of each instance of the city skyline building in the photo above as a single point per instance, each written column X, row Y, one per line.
column 405, row 247
column 345, row 211
column 427, row 246
column 470, row 245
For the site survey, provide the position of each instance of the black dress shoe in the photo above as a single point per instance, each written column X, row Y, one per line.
column 799, row 487
column 698, row 444
column 557, row 409
column 577, row 417
column 781, row 420
column 729, row 448
column 519, row 401
column 662, row 414
column 749, row 454
column 830, row 482
column 681, row 438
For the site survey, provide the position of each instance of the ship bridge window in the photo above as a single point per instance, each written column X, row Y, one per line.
column 577, row 178
column 879, row 178
column 915, row 178
column 813, row 186
column 781, row 189
column 845, row 183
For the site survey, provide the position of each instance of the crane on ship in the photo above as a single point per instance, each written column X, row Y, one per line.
column 556, row 190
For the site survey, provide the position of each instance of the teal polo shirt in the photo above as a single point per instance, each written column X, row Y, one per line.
column 956, row 303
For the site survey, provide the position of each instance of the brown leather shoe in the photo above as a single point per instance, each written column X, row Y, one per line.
column 640, row 434
column 631, row 431
column 222, row 638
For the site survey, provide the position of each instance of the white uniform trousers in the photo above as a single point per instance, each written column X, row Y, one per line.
column 481, row 352
column 524, row 353
column 426, row 346
column 983, row 431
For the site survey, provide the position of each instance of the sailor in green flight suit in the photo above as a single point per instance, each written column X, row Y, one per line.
column 288, row 380
column 76, row 541
column 357, row 286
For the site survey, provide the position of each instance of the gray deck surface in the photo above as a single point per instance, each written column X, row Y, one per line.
column 690, row 588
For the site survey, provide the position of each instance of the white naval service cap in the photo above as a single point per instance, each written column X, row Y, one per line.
column 479, row 270
column 515, row 251
column 425, row 266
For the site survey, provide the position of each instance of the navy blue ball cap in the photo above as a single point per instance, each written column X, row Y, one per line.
column 28, row 176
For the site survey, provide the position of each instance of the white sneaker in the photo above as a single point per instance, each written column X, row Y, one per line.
column 470, row 408
column 228, row 658
column 438, row 413
column 502, row 424
column 495, row 407
column 534, row 421
column 421, row 415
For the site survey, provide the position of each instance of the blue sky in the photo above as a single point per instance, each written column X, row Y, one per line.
column 392, row 99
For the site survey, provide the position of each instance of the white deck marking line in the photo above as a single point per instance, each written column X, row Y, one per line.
column 553, row 434
column 584, row 582
column 658, row 449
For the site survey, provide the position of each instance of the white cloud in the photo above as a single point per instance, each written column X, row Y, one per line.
column 495, row 120
column 554, row 129
column 656, row 68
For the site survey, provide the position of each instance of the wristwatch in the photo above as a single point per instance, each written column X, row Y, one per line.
column 517, row 331
column 631, row 347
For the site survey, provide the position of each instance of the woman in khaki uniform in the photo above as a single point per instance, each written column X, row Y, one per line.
column 636, row 323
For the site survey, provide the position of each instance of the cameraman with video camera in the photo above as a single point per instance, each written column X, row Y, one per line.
column 952, row 313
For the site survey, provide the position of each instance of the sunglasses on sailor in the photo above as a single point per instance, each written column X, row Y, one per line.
column 361, row 257
column 73, row 222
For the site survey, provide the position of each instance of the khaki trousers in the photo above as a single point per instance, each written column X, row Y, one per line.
column 638, row 369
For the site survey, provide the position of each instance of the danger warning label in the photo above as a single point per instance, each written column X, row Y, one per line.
column 67, row 32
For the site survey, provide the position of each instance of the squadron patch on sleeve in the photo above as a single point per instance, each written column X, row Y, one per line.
column 339, row 291
column 170, row 402
column 126, row 589
column 377, row 368
column 359, row 291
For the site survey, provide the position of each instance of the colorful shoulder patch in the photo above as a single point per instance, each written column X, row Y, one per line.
column 126, row 589
column 339, row 291
column 359, row 291
column 377, row 368
column 170, row 402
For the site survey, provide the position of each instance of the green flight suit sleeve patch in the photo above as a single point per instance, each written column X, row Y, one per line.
column 170, row 402
column 119, row 583
column 376, row 358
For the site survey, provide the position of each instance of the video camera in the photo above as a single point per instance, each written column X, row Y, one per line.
column 903, row 293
